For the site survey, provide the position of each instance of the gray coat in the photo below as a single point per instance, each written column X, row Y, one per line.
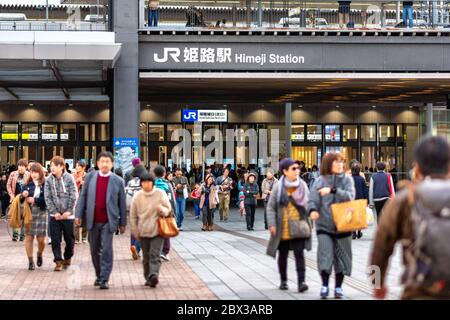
column 115, row 206
column 345, row 191
column 275, row 218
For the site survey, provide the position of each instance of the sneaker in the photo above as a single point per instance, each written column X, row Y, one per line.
column 104, row 285
column 324, row 292
column 180, row 229
column 338, row 293
column 77, row 242
column 97, row 282
column 134, row 253
column 85, row 241
column 165, row 257
column 22, row 237
column 49, row 241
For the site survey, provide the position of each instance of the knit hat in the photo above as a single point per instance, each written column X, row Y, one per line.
column 135, row 162
column 286, row 163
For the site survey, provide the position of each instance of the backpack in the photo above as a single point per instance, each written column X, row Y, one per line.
column 171, row 197
column 133, row 186
column 428, row 256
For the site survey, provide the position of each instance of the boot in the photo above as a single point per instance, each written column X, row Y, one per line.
column 66, row 264
column 211, row 227
column 204, row 227
column 58, row 266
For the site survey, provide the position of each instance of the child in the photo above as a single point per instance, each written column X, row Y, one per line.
column 195, row 194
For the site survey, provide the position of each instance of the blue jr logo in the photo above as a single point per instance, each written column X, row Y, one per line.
column 189, row 115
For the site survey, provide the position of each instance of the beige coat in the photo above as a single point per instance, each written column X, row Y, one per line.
column 213, row 198
column 144, row 215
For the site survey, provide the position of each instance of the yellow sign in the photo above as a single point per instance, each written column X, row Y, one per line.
column 10, row 136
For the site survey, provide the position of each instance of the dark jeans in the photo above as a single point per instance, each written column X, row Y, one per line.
column 151, row 250
column 297, row 245
column 60, row 229
column 101, row 243
column 250, row 215
column 166, row 246
column 379, row 208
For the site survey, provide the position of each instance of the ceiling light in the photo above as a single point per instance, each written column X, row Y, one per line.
column 373, row 107
column 31, row 105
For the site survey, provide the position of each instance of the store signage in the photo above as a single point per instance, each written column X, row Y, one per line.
column 332, row 137
column 49, row 136
column 10, row 136
column 297, row 137
column 314, row 137
column 204, row 115
column 125, row 150
column 30, row 136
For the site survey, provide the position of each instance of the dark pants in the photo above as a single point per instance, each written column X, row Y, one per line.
column 250, row 215
column 379, row 208
column 265, row 214
column 297, row 245
column 151, row 251
column 153, row 16
column 207, row 215
column 166, row 246
column 60, row 229
column 101, row 243
column 5, row 204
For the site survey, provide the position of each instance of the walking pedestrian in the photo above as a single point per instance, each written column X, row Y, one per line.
column 287, row 207
column 102, row 204
column 250, row 191
column 266, row 188
column 61, row 193
column 181, row 186
column 208, row 202
column 334, row 249
column 33, row 195
column 361, row 191
column 224, row 184
column 147, row 206
column 381, row 188
column 15, row 184
column 418, row 218
column 79, row 175
column 195, row 195
column 167, row 187
column 4, row 197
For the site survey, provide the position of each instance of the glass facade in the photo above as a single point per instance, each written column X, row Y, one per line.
column 41, row 141
column 369, row 143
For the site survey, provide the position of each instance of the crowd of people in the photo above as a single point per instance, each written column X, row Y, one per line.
column 78, row 207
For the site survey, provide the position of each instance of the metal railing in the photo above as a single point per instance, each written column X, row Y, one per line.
column 51, row 26
column 292, row 14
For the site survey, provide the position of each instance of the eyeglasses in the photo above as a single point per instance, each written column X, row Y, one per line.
column 295, row 168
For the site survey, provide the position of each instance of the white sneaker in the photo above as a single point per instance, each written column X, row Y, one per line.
column 165, row 257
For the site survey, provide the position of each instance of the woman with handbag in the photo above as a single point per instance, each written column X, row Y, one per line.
column 147, row 206
column 208, row 202
column 289, row 225
column 334, row 248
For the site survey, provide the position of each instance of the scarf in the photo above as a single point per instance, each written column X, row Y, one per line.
column 298, row 196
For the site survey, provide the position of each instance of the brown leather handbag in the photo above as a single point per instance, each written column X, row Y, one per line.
column 350, row 216
column 168, row 226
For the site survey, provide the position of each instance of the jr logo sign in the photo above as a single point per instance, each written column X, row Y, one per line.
column 189, row 115
column 174, row 53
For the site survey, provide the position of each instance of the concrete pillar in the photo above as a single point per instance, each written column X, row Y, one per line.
column 434, row 13
column 141, row 14
column 398, row 11
column 288, row 128
column 429, row 118
column 249, row 13
column 260, row 13
column 126, row 109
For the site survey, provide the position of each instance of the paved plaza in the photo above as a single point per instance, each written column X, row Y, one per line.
column 229, row 263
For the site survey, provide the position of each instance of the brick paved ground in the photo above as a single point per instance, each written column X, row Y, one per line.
column 229, row 263
column 127, row 281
